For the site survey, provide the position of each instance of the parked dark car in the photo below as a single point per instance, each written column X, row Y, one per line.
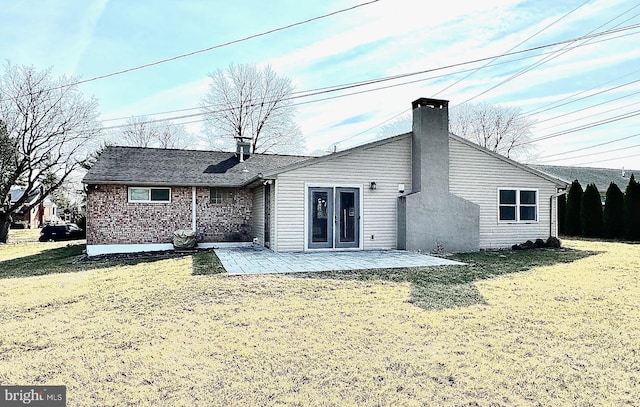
column 69, row 231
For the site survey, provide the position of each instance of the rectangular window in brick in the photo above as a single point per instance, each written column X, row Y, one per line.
column 222, row 195
column 144, row 194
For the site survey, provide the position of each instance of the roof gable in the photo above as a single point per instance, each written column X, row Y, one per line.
column 559, row 182
column 332, row 156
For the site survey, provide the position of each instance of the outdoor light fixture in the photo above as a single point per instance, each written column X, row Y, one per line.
column 401, row 188
column 372, row 185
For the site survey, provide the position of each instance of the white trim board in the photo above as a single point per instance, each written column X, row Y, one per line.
column 99, row 249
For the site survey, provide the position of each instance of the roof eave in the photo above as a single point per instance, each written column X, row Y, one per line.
column 164, row 183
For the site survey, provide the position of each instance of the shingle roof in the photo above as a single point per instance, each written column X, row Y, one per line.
column 602, row 177
column 153, row 166
column 17, row 193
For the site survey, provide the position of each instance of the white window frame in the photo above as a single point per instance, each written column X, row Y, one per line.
column 148, row 200
column 518, row 205
column 228, row 195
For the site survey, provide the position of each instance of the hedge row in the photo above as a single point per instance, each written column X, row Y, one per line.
column 584, row 215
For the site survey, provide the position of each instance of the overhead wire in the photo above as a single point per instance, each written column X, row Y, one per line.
column 596, row 153
column 217, row 46
column 338, row 87
column 512, row 48
column 546, row 59
column 335, row 88
column 608, row 159
column 584, row 97
column 591, row 115
column 593, row 146
column 583, row 127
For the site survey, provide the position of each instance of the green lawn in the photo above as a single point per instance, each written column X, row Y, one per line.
column 553, row 327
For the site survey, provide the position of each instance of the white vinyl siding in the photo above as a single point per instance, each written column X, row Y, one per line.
column 478, row 177
column 258, row 214
column 386, row 164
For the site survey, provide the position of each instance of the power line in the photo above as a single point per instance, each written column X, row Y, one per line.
column 548, row 58
column 312, row 92
column 608, row 159
column 512, row 48
column 335, row 88
column 396, row 115
column 371, row 128
column 222, row 45
column 584, row 127
column 304, row 94
column 584, row 97
column 593, row 146
column 250, row 37
column 589, row 108
column 596, row 153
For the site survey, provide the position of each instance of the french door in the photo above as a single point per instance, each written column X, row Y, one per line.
column 334, row 217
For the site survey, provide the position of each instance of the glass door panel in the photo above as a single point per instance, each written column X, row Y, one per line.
column 347, row 217
column 321, row 217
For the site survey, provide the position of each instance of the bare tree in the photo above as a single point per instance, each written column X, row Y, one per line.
column 47, row 125
column 8, row 148
column 498, row 128
column 398, row 126
column 251, row 104
column 142, row 132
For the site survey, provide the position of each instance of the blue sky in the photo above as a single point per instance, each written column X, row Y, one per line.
column 389, row 37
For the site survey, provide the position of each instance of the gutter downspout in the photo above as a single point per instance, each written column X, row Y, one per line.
column 193, row 209
column 556, row 195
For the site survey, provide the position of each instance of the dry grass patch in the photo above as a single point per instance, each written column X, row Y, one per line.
column 23, row 235
column 154, row 333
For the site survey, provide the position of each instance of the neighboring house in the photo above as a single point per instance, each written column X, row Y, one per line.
column 35, row 217
column 602, row 177
column 416, row 191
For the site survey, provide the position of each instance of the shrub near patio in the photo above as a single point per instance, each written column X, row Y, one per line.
column 542, row 328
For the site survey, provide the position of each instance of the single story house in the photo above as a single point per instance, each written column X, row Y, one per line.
column 421, row 190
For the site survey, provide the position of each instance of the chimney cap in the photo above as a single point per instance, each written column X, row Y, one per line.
column 432, row 103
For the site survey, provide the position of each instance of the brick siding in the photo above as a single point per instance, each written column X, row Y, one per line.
column 111, row 219
column 227, row 222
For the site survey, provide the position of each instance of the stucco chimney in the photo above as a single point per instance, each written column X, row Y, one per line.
column 431, row 217
column 430, row 145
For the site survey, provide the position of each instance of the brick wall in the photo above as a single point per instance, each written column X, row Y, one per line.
column 111, row 219
column 226, row 222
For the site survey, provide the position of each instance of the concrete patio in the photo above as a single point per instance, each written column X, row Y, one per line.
column 249, row 260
